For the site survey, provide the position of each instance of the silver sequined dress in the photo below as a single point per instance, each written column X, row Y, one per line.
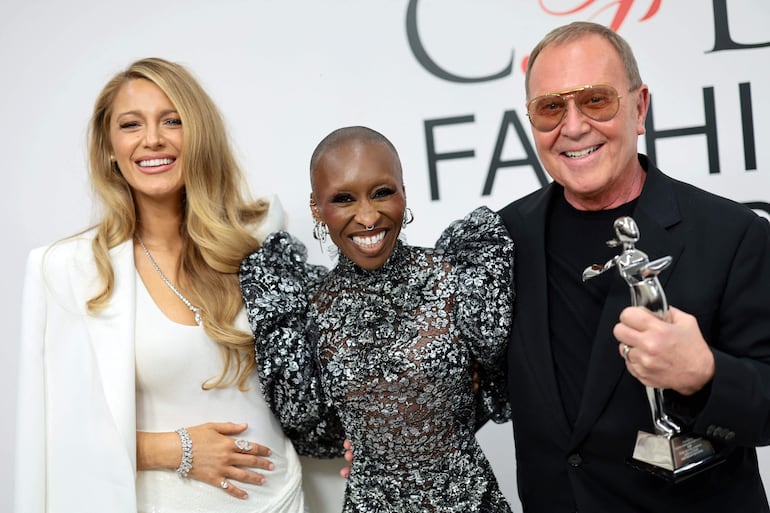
column 384, row 358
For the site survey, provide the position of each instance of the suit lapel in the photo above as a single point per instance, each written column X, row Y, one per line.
column 531, row 331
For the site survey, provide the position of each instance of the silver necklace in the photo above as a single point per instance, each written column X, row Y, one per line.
column 194, row 309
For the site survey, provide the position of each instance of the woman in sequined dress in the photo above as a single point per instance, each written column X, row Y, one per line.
column 135, row 329
column 380, row 349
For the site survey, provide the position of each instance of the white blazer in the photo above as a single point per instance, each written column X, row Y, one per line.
column 76, row 414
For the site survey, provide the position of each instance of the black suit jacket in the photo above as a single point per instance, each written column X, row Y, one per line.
column 721, row 274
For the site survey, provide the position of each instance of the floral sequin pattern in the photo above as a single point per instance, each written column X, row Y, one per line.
column 385, row 357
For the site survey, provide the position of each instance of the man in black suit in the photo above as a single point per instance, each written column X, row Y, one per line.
column 579, row 357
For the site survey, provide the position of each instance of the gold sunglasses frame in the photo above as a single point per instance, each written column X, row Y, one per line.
column 570, row 93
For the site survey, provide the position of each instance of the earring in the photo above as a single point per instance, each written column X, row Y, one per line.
column 320, row 231
column 408, row 217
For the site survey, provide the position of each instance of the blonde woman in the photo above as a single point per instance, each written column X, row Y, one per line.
column 137, row 383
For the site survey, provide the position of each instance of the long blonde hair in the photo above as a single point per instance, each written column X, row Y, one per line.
column 218, row 221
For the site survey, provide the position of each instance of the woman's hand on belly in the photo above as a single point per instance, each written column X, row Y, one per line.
column 219, row 458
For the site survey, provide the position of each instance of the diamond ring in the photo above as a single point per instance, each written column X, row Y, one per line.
column 243, row 445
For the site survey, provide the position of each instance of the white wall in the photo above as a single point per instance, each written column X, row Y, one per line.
column 285, row 73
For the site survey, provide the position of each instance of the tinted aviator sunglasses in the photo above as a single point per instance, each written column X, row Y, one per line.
column 599, row 102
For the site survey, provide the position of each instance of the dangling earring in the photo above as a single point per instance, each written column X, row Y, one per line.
column 320, row 231
column 408, row 217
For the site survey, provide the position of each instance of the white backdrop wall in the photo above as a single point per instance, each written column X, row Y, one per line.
column 285, row 73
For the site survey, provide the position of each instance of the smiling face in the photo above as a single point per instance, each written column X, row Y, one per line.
column 358, row 192
column 595, row 161
column 146, row 137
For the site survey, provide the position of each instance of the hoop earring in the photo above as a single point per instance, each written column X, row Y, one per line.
column 408, row 217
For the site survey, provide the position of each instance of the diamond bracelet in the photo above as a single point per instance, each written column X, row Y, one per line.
column 185, row 465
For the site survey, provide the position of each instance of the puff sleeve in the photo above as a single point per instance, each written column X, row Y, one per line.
column 482, row 252
column 277, row 284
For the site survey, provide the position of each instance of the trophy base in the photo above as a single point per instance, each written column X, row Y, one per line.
column 673, row 459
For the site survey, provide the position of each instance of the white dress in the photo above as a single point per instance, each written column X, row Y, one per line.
column 172, row 361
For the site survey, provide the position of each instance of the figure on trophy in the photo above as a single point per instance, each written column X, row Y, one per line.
column 669, row 452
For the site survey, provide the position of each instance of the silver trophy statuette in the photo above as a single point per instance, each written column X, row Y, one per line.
column 668, row 452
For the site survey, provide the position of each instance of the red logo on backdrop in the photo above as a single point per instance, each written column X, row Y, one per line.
column 623, row 7
column 590, row 9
